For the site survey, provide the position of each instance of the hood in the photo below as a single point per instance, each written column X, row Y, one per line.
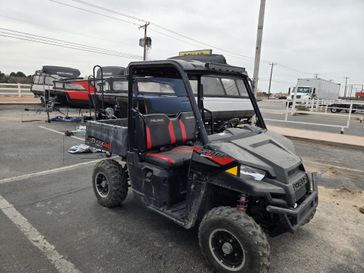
column 264, row 151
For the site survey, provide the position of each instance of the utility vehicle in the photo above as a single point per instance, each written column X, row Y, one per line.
column 236, row 185
column 78, row 92
column 225, row 100
column 43, row 79
column 73, row 93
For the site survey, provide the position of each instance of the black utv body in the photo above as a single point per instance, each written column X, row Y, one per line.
column 236, row 185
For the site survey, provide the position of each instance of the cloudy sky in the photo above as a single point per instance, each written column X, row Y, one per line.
column 303, row 37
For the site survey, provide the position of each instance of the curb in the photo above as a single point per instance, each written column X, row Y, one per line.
column 326, row 142
column 321, row 137
column 20, row 103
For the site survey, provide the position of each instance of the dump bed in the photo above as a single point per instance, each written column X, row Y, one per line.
column 108, row 135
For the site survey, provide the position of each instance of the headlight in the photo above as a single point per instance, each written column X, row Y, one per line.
column 254, row 173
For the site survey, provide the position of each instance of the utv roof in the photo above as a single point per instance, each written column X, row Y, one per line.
column 65, row 72
column 191, row 66
column 108, row 71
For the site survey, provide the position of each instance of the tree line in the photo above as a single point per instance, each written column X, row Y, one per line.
column 15, row 77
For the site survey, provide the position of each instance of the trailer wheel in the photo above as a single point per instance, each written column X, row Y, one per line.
column 110, row 183
column 231, row 241
column 334, row 110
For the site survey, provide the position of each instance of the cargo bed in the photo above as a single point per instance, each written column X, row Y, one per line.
column 108, row 135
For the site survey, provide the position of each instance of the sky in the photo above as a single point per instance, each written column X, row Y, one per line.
column 302, row 37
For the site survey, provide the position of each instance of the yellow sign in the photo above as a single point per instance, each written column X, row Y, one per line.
column 196, row 52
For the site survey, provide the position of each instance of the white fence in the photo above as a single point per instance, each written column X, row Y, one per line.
column 15, row 89
column 324, row 107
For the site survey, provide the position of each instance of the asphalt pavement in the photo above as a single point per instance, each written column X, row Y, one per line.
column 61, row 206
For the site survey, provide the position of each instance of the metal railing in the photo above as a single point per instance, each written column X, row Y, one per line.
column 15, row 89
column 324, row 107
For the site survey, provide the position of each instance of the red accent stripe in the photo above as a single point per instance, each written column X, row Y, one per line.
column 183, row 131
column 222, row 160
column 167, row 158
column 149, row 138
column 171, row 132
column 197, row 149
column 179, row 149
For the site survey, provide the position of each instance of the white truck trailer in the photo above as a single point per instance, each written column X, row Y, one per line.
column 309, row 88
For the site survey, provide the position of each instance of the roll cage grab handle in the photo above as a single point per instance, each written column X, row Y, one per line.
column 191, row 97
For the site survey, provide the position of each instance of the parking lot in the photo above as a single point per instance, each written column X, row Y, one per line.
column 50, row 220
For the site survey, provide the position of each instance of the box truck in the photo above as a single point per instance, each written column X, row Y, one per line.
column 314, row 88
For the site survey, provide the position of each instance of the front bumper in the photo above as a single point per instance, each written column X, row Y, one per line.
column 296, row 217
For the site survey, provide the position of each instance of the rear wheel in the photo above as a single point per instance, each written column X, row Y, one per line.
column 110, row 183
column 231, row 241
column 334, row 110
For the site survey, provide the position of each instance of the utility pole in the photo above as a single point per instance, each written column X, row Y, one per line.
column 270, row 77
column 346, row 86
column 351, row 90
column 145, row 44
column 316, row 75
column 258, row 46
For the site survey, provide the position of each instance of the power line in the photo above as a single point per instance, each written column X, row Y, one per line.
column 145, row 21
column 110, row 10
column 25, row 36
column 45, row 38
column 95, row 12
column 293, row 69
column 178, row 34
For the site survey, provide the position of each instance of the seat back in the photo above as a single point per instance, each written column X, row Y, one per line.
column 185, row 127
column 154, row 131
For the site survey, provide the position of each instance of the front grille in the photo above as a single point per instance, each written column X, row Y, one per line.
column 300, row 187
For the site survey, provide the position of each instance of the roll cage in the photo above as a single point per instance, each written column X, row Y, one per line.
column 185, row 70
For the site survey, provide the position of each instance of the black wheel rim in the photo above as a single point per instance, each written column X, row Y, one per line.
column 227, row 250
column 102, row 185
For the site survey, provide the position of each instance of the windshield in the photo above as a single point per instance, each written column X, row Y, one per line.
column 45, row 79
column 215, row 86
column 162, row 86
column 226, row 102
column 305, row 90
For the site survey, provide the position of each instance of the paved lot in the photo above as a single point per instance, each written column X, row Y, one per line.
column 61, row 206
column 274, row 113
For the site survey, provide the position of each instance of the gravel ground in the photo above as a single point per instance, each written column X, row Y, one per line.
column 62, row 207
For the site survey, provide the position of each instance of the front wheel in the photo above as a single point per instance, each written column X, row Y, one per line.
column 231, row 241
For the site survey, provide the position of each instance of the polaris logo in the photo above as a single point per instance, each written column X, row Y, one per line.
column 157, row 120
column 299, row 184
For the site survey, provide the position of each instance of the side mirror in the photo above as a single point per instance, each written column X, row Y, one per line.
column 289, row 91
column 314, row 91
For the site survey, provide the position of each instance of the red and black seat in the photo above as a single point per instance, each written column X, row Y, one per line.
column 167, row 139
